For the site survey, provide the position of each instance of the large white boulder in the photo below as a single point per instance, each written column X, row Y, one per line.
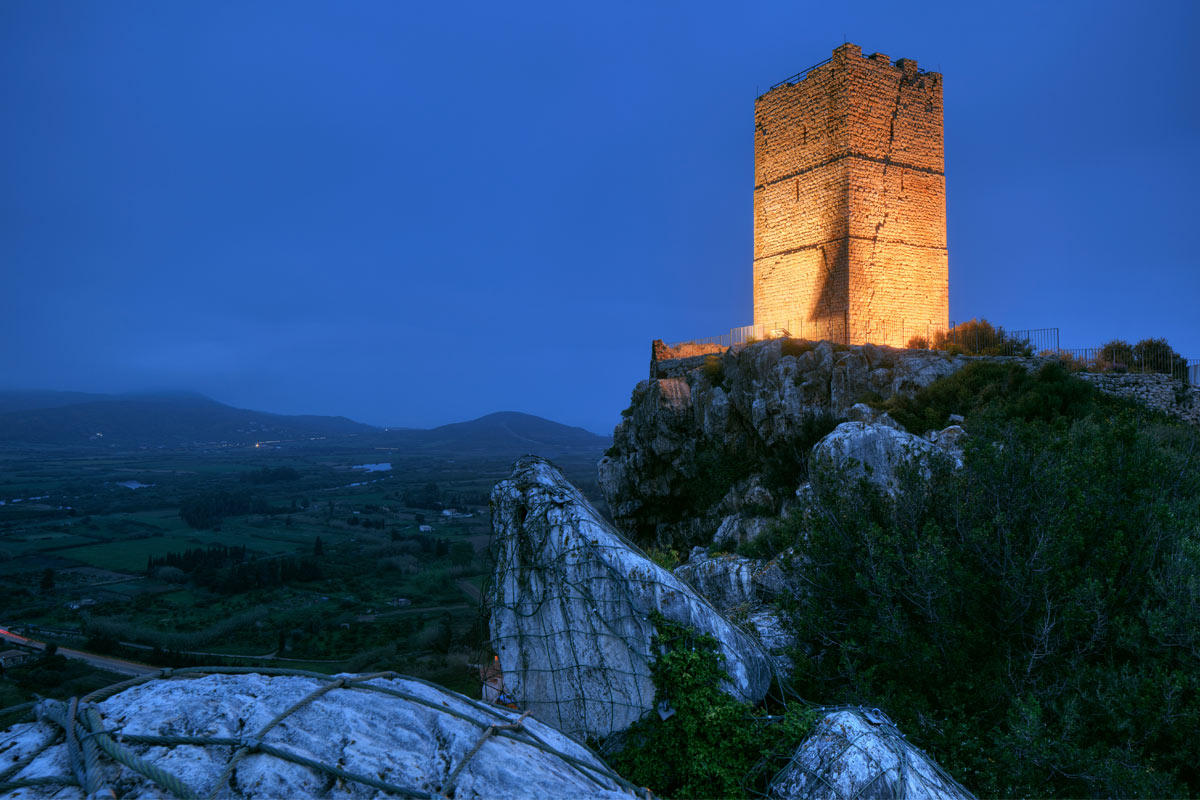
column 572, row 606
column 857, row 754
column 877, row 452
column 413, row 735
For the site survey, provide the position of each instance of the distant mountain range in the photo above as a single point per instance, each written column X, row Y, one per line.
column 507, row 434
column 157, row 419
column 179, row 419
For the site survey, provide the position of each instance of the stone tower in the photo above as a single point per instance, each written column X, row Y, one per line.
column 850, row 202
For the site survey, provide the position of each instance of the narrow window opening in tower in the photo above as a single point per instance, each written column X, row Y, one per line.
column 797, row 182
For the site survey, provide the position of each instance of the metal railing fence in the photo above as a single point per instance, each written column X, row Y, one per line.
column 832, row 330
column 801, row 75
column 981, row 338
column 971, row 338
column 1137, row 359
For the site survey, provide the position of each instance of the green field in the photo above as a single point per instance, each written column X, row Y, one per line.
column 377, row 593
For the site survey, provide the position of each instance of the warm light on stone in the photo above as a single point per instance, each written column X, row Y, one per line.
column 850, row 202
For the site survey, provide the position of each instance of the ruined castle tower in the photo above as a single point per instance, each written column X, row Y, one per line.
column 850, row 202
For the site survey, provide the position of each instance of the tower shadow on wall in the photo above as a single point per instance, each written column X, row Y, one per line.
column 831, row 302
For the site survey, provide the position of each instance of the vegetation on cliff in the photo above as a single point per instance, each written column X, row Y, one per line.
column 998, row 392
column 977, row 337
column 709, row 744
column 1033, row 619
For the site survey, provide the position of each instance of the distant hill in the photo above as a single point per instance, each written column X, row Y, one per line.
column 20, row 400
column 505, row 434
column 178, row 419
column 152, row 420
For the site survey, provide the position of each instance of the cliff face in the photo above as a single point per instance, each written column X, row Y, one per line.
column 723, row 441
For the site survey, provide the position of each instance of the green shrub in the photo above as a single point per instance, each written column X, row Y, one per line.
column 667, row 558
column 714, row 369
column 986, row 388
column 1116, row 356
column 778, row 536
column 978, row 337
column 1033, row 620
column 712, row 745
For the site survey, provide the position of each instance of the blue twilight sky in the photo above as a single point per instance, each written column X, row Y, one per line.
column 419, row 213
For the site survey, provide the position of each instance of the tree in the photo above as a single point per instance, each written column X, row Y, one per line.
column 1116, row 355
column 1155, row 355
column 47, row 580
column 428, row 496
column 318, row 547
column 462, row 554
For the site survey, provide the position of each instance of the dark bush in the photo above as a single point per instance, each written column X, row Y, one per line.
column 714, row 369
column 1155, row 355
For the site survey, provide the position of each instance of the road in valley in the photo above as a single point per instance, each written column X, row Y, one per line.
column 118, row 665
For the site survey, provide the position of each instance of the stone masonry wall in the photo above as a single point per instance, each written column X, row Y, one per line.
column 849, row 202
column 1160, row 392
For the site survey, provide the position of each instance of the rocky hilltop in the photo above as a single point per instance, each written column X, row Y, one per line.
column 716, row 445
column 583, row 614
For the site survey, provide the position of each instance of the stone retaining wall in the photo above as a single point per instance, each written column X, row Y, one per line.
column 1160, row 392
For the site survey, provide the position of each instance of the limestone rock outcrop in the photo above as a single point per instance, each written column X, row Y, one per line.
column 729, row 581
column 859, row 753
column 878, row 452
column 573, row 605
column 745, row 590
column 742, row 421
column 420, row 742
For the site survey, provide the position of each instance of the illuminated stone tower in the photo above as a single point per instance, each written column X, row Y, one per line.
column 850, row 202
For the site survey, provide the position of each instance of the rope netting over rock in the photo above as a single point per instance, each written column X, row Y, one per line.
column 210, row 732
column 571, row 605
column 857, row 753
